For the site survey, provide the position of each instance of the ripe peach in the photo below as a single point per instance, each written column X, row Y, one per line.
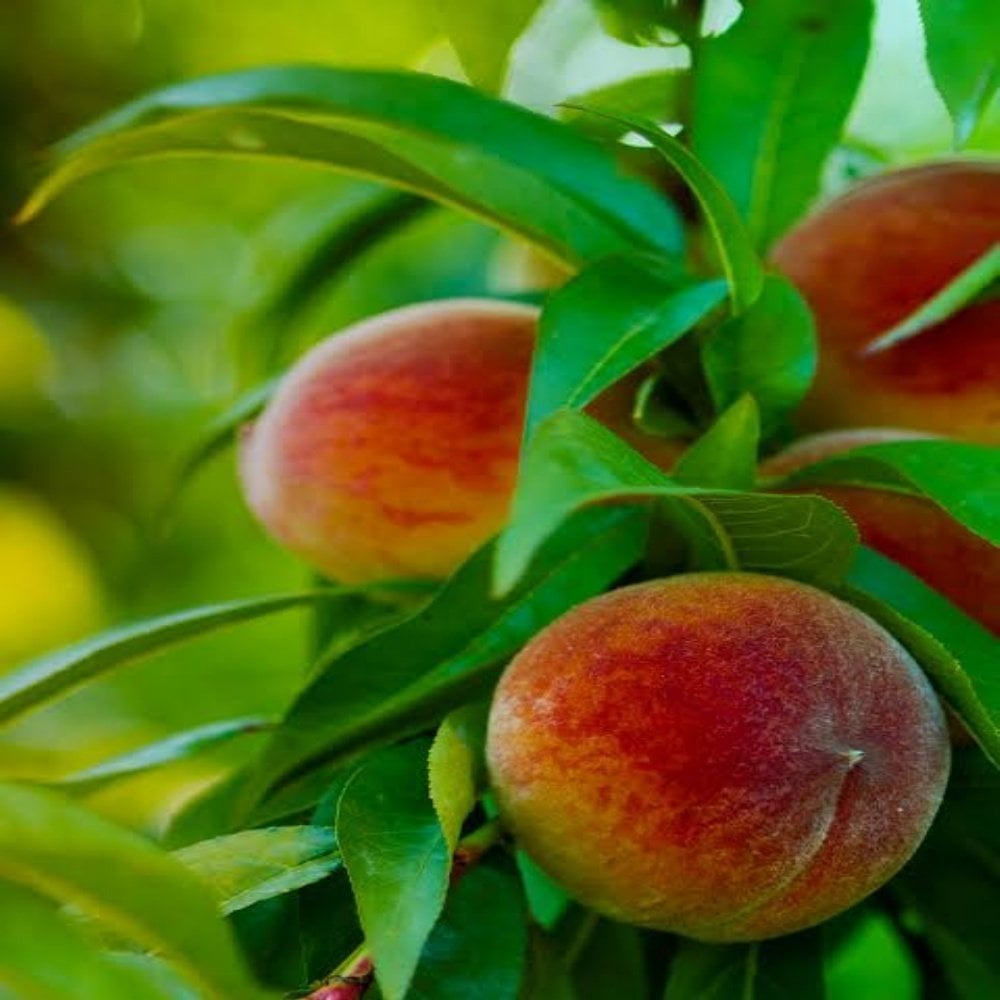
column 391, row 449
column 914, row 532
column 868, row 259
column 729, row 756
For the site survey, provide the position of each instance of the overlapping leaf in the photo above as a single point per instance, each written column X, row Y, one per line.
column 770, row 100
column 441, row 139
column 573, row 462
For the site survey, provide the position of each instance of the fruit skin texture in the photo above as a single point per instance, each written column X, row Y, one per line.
column 871, row 257
column 728, row 756
column 391, row 449
column 912, row 531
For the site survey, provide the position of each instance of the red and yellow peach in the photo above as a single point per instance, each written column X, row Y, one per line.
column 871, row 257
column 728, row 756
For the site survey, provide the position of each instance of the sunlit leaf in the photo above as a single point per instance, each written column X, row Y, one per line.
column 67, row 853
column 963, row 56
column 441, row 139
column 483, row 33
column 725, row 456
column 605, row 322
column 771, row 97
column 253, row 865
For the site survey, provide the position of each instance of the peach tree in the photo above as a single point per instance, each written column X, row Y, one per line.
column 608, row 434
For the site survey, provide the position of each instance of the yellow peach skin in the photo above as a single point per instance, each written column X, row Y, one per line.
column 870, row 258
column 728, row 756
column 391, row 449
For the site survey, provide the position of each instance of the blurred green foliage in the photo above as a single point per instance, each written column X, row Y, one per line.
column 150, row 286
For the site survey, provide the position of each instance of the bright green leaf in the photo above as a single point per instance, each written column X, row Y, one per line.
column 962, row 478
column 43, row 956
column 725, row 456
column 657, row 95
column 446, row 141
column 605, row 322
column 396, row 855
column 770, row 101
column 253, row 865
column 455, row 768
column 49, row 676
column 483, row 33
column 769, row 352
column 573, row 462
column 173, row 748
column 67, row 853
column 981, row 275
column 963, row 56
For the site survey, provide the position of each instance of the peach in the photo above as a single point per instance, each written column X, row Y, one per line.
column 912, row 531
column 728, row 756
column 871, row 257
column 391, row 449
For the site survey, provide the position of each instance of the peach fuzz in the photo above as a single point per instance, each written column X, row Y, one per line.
column 871, row 257
column 391, row 449
column 912, row 531
column 728, row 756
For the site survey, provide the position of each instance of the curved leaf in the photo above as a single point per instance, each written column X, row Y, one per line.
column 573, row 462
column 178, row 746
column 769, row 352
column 253, row 865
column 605, row 322
column 963, row 57
column 439, row 138
column 963, row 479
column 42, row 955
column 65, row 852
column 49, row 676
column 771, row 97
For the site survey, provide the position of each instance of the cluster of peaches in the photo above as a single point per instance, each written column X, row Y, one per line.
column 729, row 756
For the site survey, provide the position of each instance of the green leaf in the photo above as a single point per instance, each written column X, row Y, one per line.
column 253, row 865
column 483, row 33
column 605, row 322
column 740, row 263
column 787, row 968
column 769, row 352
column 396, row 855
column 446, row 141
column 963, row 57
column 547, row 900
column 656, row 95
column 179, row 746
column 455, row 767
column 770, row 100
column 958, row 654
column 43, row 956
column 871, row 962
column 573, row 462
column 477, row 950
column 981, row 275
column 963, row 479
column 725, row 456
column 49, row 676
column 648, row 22
column 57, row 848
column 409, row 676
